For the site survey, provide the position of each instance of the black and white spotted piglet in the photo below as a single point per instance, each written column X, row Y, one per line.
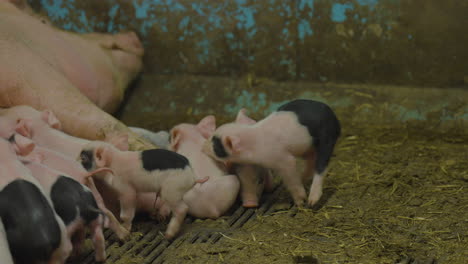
column 35, row 233
column 300, row 128
column 157, row 170
column 76, row 206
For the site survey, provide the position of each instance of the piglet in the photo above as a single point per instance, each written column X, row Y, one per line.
column 75, row 204
column 156, row 170
column 297, row 129
column 70, row 167
column 35, row 233
column 9, row 118
column 213, row 198
column 42, row 127
column 253, row 179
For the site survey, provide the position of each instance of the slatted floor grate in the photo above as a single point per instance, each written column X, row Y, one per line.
column 151, row 245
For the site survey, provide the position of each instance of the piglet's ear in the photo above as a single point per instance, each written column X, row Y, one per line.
column 207, row 126
column 120, row 141
column 174, row 139
column 242, row 118
column 100, row 156
column 23, row 127
column 232, row 143
column 23, row 145
column 49, row 117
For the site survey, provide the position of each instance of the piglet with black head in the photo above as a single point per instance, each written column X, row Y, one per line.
column 300, row 128
column 156, row 170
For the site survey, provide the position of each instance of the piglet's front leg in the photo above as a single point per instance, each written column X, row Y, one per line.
column 127, row 197
column 179, row 211
column 114, row 224
column 251, row 184
column 287, row 170
column 98, row 239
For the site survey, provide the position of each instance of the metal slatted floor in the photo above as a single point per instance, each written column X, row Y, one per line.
column 148, row 245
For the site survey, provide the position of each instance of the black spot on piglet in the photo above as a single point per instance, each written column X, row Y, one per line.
column 30, row 224
column 87, row 159
column 218, row 147
column 70, row 197
column 162, row 159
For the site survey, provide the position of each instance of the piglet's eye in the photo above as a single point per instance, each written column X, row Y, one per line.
column 84, row 158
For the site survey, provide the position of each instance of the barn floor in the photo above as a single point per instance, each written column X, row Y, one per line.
column 395, row 193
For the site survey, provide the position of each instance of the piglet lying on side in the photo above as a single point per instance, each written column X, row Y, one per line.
column 35, row 233
column 214, row 198
column 75, row 204
column 70, row 167
column 156, row 170
column 73, row 201
column 297, row 129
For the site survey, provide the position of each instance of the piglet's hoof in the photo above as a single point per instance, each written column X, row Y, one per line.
column 299, row 204
column 169, row 236
column 250, row 204
column 123, row 234
column 314, row 197
column 101, row 258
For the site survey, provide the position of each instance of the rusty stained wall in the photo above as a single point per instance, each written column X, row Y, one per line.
column 348, row 41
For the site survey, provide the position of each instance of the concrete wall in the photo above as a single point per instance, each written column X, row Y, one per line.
column 162, row 101
column 348, row 41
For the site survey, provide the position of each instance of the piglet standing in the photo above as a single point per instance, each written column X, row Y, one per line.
column 300, row 128
column 253, row 179
column 156, row 170
column 35, row 233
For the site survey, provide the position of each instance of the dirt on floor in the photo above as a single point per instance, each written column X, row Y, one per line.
column 394, row 194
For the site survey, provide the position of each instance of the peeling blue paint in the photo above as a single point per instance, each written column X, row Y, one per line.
column 112, row 14
column 84, row 21
column 304, row 29
column 229, row 35
column 405, row 114
column 245, row 18
column 306, row 3
column 197, row 20
column 370, row 3
column 260, row 104
column 243, row 100
column 204, row 47
column 338, row 12
column 56, row 9
column 141, row 10
column 184, row 23
column 254, row 102
column 197, row 7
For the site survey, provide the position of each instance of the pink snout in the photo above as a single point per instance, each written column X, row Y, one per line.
column 24, row 145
